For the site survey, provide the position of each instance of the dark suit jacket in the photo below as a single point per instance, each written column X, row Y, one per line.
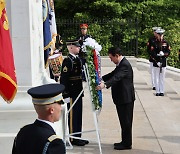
column 32, row 138
column 121, row 82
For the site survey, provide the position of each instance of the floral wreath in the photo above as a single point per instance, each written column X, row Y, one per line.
column 94, row 78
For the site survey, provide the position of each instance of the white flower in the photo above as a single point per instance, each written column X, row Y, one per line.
column 92, row 43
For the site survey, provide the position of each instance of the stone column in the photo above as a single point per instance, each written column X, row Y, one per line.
column 25, row 18
column 26, row 27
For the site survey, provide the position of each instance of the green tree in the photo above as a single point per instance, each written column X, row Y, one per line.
column 125, row 20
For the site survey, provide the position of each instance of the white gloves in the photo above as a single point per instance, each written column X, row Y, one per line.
column 67, row 100
column 161, row 53
column 159, row 64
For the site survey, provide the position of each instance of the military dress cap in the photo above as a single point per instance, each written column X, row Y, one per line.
column 47, row 94
column 155, row 28
column 73, row 42
column 160, row 31
column 84, row 26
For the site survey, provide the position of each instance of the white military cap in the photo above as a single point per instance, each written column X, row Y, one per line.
column 160, row 31
column 155, row 28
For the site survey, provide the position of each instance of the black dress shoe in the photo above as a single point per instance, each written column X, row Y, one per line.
column 161, row 94
column 78, row 142
column 157, row 94
column 122, row 147
column 116, row 144
column 154, row 88
column 86, row 141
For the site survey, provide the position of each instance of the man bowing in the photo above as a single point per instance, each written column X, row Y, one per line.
column 121, row 82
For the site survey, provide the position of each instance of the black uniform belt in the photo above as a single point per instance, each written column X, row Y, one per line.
column 75, row 78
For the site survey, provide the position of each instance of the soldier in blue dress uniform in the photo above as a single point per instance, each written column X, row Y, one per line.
column 71, row 77
column 40, row 137
column 84, row 35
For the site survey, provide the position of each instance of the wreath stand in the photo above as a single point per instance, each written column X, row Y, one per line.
column 67, row 135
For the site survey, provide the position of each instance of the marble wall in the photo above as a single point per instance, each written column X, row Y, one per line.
column 26, row 27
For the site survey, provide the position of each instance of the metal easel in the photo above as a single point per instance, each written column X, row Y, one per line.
column 67, row 135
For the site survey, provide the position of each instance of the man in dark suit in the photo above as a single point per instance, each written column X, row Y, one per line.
column 121, row 82
column 40, row 137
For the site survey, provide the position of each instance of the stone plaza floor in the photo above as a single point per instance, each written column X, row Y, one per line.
column 156, row 125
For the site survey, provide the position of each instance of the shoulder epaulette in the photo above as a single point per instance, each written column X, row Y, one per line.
column 53, row 137
column 50, row 139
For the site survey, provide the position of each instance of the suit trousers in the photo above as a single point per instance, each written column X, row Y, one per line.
column 125, row 115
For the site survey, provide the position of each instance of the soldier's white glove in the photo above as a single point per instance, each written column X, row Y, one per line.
column 161, row 53
column 56, row 51
column 67, row 100
column 159, row 64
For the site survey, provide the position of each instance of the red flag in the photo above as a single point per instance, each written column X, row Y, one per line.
column 8, row 83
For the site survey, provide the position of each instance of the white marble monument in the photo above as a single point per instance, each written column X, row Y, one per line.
column 26, row 28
